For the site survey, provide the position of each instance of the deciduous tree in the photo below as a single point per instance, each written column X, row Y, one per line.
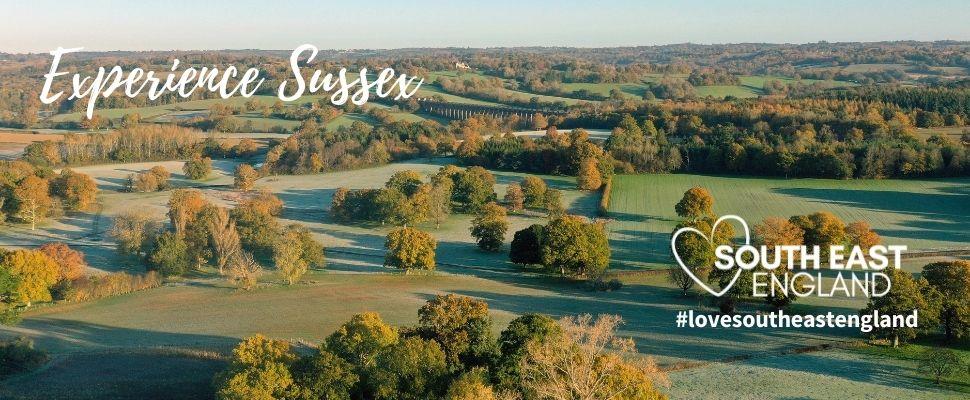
column 952, row 280
column 409, row 248
column 513, row 344
column 288, row 257
column 265, row 202
column 70, row 262
column 244, row 271
column 474, row 188
column 225, row 239
column 412, row 369
column 905, row 295
column 311, row 251
column 514, row 197
column 489, row 227
column 772, row 232
column 361, row 339
column 822, row 229
column 589, row 177
column 184, row 206
column 170, row 255
column 197, row 167
column 940, row 363
column 258, row 230
column 35, row 273
column 526, row 247
column 585, row 362
column 573, row 247
column 259, row 370
column 439, row 202
column 33, row 199
column 534, row 191
column 471, row 385
column 539, row 122
column 697, row 203
column 322, row 375
column 462, row 326
column 132, row 230
column 859, row 233
column 245, row 177
column 76, row 189
column 553, row 203
column 406, row 181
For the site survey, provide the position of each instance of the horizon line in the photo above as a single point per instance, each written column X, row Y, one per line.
column 538, row 46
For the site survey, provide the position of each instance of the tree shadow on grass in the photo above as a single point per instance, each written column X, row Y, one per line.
column 631, row 248
column 129, row 374
column 92, row 361
column 630, row 217
column 938, row 216
column 864, row 368
column 62, row 335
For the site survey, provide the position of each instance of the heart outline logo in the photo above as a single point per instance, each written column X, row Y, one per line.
column 737, row 273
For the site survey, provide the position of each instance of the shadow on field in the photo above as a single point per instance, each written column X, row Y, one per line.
column 117, row 374
column 628, row 217
column 631, row 247
column 553, row 182
column 56, row 335
column 940, row 216
column 306, row 205
column 864, row 369
column 114, row 184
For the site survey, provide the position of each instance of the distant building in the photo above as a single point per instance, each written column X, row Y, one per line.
column 461, row 65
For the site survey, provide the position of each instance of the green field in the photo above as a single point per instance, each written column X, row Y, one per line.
column 200, row 108
column 833, row 374
column 922, row 214
column 194, row 105
column 954, row 133
column 751, row 86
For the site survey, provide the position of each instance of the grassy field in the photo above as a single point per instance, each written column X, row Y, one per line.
column 118, row 374
column 751, row 86
column 954, row 133
column 922, row 214
column 114, row 342
column 199, row 108
column 148, row 113
column 834, row 374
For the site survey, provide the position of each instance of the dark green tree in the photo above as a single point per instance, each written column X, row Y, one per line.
column 526, row 246
column 512, row 347
column 952, row 280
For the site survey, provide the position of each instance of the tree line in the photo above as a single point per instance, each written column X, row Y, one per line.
column 315, row 149
column 237, row 241
column 30, row 194
column 450, row 354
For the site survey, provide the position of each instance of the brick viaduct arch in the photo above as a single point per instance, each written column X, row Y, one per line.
column 462, row 111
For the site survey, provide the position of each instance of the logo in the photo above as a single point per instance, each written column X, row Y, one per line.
column 804, row 263
column 710, row 239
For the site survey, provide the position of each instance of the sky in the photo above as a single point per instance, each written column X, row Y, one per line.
column 43, row 25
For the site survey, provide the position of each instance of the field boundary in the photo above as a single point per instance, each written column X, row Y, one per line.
column 607, row 192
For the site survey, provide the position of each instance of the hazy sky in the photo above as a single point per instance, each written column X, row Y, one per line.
column 42, row 25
